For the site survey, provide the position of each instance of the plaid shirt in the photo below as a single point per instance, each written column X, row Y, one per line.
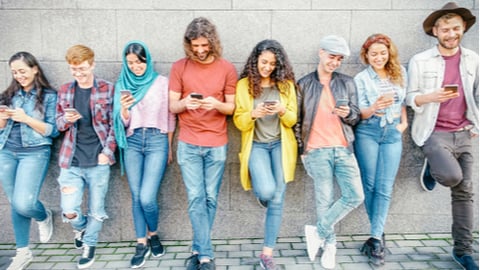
column 101, row 105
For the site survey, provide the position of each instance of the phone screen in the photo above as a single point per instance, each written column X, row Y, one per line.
column 341, row 102
column 451, row 87
column 197, row 96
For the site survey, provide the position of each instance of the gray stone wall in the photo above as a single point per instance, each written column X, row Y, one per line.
column 47, row 28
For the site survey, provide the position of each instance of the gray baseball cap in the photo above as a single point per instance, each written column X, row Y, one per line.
column 335, row 45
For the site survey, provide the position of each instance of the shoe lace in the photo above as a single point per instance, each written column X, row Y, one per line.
column 267, row 261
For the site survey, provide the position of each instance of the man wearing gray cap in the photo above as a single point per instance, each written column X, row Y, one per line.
column 327, row 110
column 443, row 92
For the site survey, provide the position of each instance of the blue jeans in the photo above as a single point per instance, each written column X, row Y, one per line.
column 145, row 161
column 378, row 151
column 202, row 171
column 22, row 175
column 72, row 183
column 268, row 181
column 325, row 165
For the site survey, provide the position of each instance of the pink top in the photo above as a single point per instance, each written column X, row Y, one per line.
column 152, row 111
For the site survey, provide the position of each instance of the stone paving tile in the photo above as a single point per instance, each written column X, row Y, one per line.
column 404, row 251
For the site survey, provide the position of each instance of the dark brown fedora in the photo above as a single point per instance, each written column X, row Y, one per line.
column 450, row 7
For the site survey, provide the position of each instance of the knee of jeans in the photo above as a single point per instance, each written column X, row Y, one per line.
column 449, row 178
column 69, row 216
column 68, row 190
column 98, row 217
column 355, row 200
column 266, row 194
column 22, row 206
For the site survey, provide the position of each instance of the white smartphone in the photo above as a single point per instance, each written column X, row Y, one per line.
column 125, row 93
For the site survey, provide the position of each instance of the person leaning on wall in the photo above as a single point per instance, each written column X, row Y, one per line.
column 202, row 94
column 381, row 91
column 27, row 126
column 144, row 130
column 265, row 113
column 443, row 93
column 327, row 111
column 84, row 113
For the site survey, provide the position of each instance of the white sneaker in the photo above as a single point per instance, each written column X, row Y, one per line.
column 314, row 242
column 45, row 228
column 23, row 257
column 328, row 256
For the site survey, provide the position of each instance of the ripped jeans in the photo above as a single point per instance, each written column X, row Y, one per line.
column 73, row 182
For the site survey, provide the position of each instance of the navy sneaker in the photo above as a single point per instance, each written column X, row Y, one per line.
column 426, row 180
column 141, row 254
column 262, row 203
column 193, row 262
column 88, row 257
column 156, row 246
column 465, row 261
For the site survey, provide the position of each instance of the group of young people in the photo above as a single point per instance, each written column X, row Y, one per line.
column 347, row 130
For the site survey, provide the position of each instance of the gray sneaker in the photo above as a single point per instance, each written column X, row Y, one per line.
column 23, row 257
column 45, row 227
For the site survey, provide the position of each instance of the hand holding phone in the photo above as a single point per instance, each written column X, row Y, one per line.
column 3, row 108
column 196, row 96
column 268, row 103
column 125, row 93
column 341, row 102
column 72, row 113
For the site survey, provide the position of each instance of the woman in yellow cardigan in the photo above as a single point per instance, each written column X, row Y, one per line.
column 266, row 111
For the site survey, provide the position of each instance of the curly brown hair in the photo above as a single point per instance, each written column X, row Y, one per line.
column 393, row 66
column 281, row 75
column 202, row 27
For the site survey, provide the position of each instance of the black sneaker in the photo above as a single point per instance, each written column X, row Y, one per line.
column 156, row 246
column 141, row 253
column 193, row 262
column 207, row 265
column 465, row 261
column 78, row 240
column 373, row 248
column 88, row 257
column 262, row 203
column 426, row 180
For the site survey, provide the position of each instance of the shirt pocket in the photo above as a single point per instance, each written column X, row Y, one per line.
column 429, row 80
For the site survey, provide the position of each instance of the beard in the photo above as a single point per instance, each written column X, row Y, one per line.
column 449, row 44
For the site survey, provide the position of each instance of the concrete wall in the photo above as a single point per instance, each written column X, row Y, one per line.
column 48, row 27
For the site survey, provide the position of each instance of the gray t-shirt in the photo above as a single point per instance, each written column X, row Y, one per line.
column 267, row 128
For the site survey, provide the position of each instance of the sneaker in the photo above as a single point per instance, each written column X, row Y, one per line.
column 45, row 227
column 141, row 253
column 465, row 261
column 207, row 265
column 88, row 257
column 426, row 180
column 374, row 250
column 156, row 246
column 266, row 262
column 78, row 241
column 328, row 256
column 314, row 242
column 23, row 257
column 262, row 203
column 193, row 262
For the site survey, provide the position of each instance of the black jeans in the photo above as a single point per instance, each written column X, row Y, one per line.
column 451, row 163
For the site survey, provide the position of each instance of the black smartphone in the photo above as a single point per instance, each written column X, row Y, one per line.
column 341, row 102
column 197, row 96
column 269, row 102
column 451, row 87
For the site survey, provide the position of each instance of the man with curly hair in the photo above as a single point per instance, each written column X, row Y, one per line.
column 202, row 93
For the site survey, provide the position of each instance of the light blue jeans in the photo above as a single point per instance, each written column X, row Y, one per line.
column 22, row 175
column 378, row 151
column 145, row 162
column 268, row 181
column 73, row 182
column 202, row 171
column 325, row 165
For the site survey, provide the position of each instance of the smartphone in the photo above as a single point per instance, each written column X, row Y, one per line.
column 125, row 93
column 389, row 95
column 71, row 110
column 451, row 87
column 3, row 108
column 269, row 102
column 197, row 96
column 341, row 102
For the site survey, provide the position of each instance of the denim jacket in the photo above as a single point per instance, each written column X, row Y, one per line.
column 26, row 101
column 425, row 73
column 367, row 82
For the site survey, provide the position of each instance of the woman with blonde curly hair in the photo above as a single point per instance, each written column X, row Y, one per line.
column 378, row 136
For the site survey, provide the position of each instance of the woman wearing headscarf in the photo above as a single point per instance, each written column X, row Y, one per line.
column 144, row 131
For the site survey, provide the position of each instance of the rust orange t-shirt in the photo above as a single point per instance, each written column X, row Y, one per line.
column 327, row 127
column 216, row 79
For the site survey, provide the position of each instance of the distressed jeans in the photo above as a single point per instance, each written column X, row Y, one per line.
column 73, row 182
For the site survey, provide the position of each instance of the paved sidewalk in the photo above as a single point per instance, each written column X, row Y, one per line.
column 404, row 251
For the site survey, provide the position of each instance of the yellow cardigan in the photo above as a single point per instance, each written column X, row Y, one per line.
column 244, row 122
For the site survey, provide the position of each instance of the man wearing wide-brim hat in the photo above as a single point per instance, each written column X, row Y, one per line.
column 443, row 92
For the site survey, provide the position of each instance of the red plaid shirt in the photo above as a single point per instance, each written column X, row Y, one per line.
column 101, row 105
